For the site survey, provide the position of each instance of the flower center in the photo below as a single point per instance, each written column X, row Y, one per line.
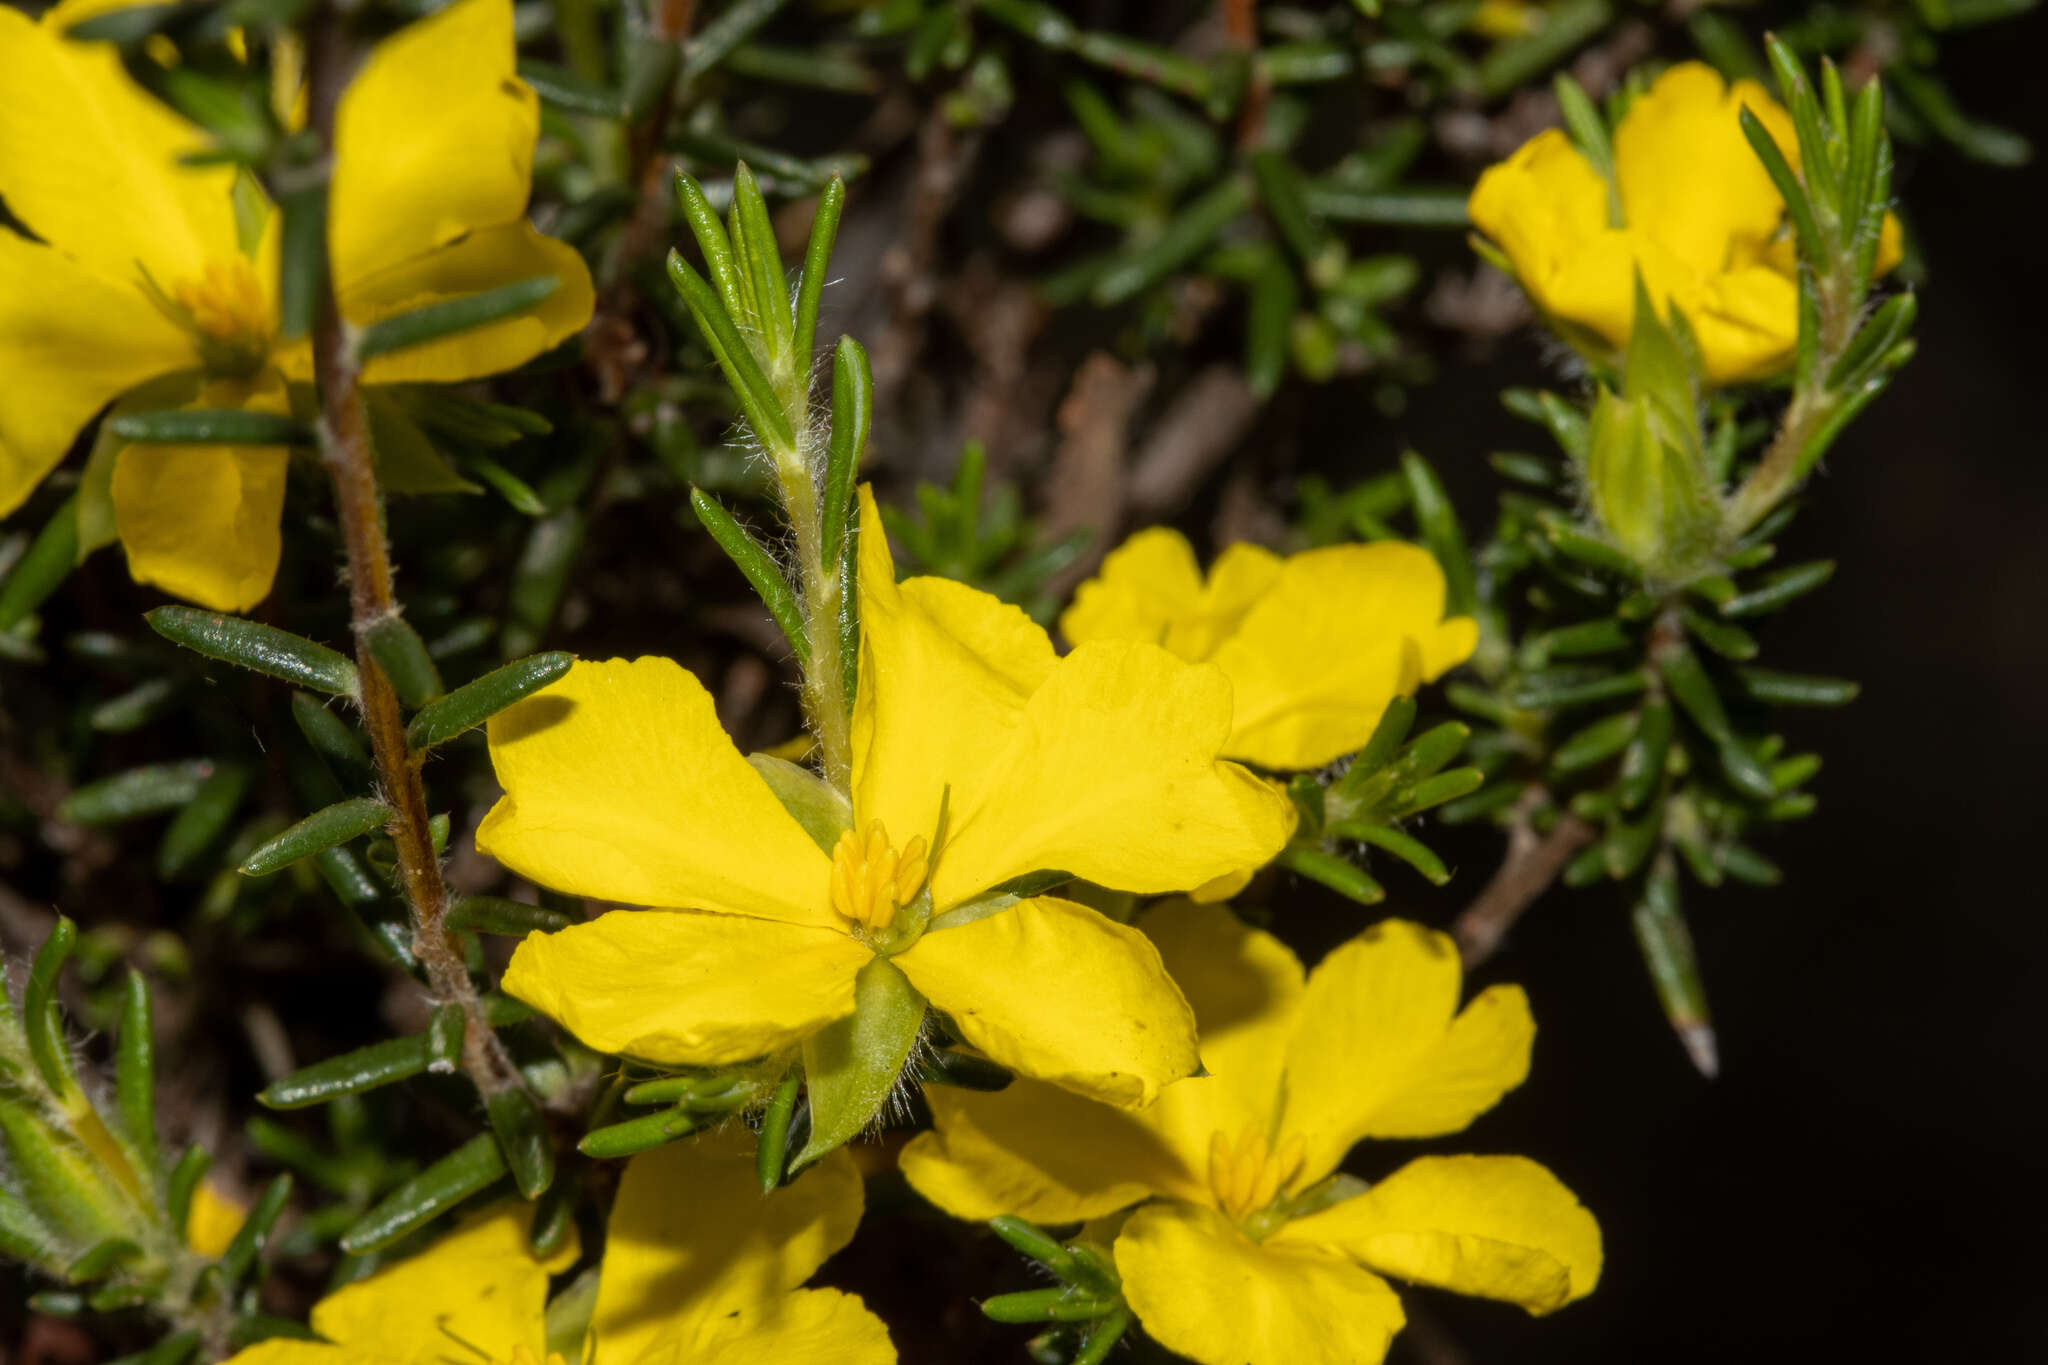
column 871, row 881
column 1246, row 1176
column 522, row 1355
column 228, row 313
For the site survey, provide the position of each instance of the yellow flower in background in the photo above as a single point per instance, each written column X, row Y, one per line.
column 1249, row 1251
column 979, row 756
column 139, row 270
column 1315, row 645
column 213, row 1220
column 699, row 1267
column 1699, row 219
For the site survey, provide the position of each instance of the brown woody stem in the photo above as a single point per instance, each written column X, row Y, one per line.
column 1531, row 865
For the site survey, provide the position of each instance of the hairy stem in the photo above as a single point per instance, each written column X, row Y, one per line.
column 824, row 690
column 1813, row 404
column 1531, row 865
column 345, row 454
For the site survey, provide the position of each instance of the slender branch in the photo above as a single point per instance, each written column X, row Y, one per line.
column 824, row 690
column 1531, row 865
column 345, row 453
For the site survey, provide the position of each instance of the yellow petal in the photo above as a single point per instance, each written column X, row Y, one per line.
column 692, row 1240
column 434, row 138
column 213, row 1220
column 1379, row 1053
column 89, row 161
column 1203, row 1289
column 1546, row 208
column 202, row 522
column 1043, row 1153
column 945, row 673
column 1113, row 775
column 1747, row 322
column 620, row 784
column 809, row 1327
column 291, row 1351
column 1150, row 588
column 486, row 259
column 480, row 1284
column 1500, row 1227
column 73, row 341
column 1314, row 664
column 1054, row 990
column 1689, row 179
column 688, row 989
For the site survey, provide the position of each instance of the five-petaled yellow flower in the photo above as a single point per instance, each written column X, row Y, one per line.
column 699, row 1269
column 1699, row 220
column 979, row 756
column 1251, row 1254
column 1315, row 645
column 141, row 269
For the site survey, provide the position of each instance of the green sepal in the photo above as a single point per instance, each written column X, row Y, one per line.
column 254, row 646
column 472, row 1167
column 568, row 1315
column 437, row 320
column 351, row 1073
column 852, row 1065
column 474, row 703
column 523, row 1137
column 771, row 1149
column 811, row 801
column 318, row 832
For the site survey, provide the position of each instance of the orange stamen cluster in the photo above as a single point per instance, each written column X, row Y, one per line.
column 226, row 303
column 1245, row 1176
column 871, row 881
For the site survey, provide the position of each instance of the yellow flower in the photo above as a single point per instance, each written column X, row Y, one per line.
column 1249, row 1252
column 137, row 270
column 1315, row 645
column 620, row 785
column 213, row 1221
column 698, row 1267
column 1699, row 219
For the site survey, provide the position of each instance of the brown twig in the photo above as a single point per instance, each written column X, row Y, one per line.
column 1531, row 865
column 345, row 454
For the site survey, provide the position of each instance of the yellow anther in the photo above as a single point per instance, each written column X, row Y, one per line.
column 226, row 303
column 523, row 1355
column 1246, row 1176
column 871, row 881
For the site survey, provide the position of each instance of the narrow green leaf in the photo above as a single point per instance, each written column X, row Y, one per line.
column 1585, row 640
column 759, row 567
column 468, row 1169
column 1795, row 689
column 771, row 1148
column 1411, row 851
column 712, row 241
column 1811, row 245
column 236, row 1262
column 1104, row 1335
column 851, row 1066
column 1063, row 1304
column 40, row 1018
column 1642, row 767
column 403, row 657
column 1744, row 771
column 302, row 271
column 810, row 289
column 1184, row 238
column 1595, row 744
column 1339, row 874
column 743, row 372
column 1033, row 1241
column 565, row 89
column 1726, row 639
column 135, row 1070
column 260, row 648
column 175, row 1349
column 394, row 1059
column 523, row 1135
column 764, row 263
column 434, row 321
column 853, row 402
column 200, row 821
column 101, row 1259
column 333, row 738
column 640, row 1134
column 1434, row 791
column 46, row 563
column 1538, row 692
column 716, row 41
column 224, row 426
column 1875, row 342
column 1387, row 734
column 447, row 1030
column 1588, row 128
column 134, row 708
column 1513, row 63
column 323, row 829
column 1804, row 106
column 1667, row 950
column 822, row 810
column 1778, row 589
column 1438, row 522
column 139, row 792
column 182, row 1181
column 474, row 703
column 496, row 915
